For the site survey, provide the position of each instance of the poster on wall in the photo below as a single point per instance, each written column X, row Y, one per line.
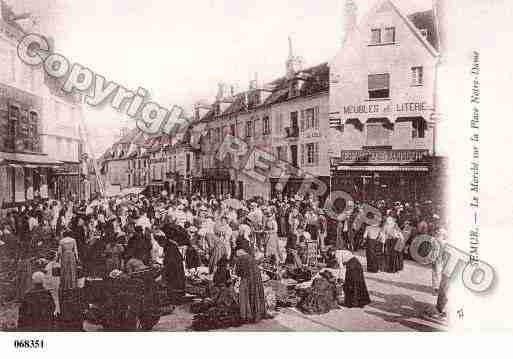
column 19, row 185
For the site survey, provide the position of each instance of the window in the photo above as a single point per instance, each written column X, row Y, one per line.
column 418, row 128
column 375, row 36
column 417, row 76
column 217, row 137
column 279, row 123
column 34, row 143
column 14, row 116
column 312, row 118
column 294, row 89
column 293, row 120
column 256, row 128
column 378, row 132
column 266, row 124
column 389, row 37
column 281, row 153
column 379, row 86
column 249, row 129
column 232, row 129
column 424, row 32
column 310, row 152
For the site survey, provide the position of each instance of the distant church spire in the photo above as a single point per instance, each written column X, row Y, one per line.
column 350, row 14
column 293, row 63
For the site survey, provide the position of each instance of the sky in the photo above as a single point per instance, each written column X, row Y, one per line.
column 180, row 50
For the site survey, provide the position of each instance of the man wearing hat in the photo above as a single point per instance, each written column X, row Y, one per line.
column 37, row 307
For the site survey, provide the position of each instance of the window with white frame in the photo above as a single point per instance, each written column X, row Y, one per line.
column 389, row 35
column 376, row 36
column 249, row 128
column 281, row 153
column 383, row 36
column 266, row 125
column 417, row 76
column 312, row 118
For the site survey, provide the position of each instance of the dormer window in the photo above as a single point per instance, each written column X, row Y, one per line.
column 294, row 89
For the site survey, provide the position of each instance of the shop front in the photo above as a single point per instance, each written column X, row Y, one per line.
column 215, row 181
column 395, row 175
column 24, row 178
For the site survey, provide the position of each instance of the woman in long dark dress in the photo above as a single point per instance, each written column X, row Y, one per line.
column 371, row 236
column 173, row 272
column 393, row 260
column 251, row 289
column 355, row 289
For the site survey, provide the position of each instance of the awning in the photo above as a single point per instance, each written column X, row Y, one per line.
column 28, row 160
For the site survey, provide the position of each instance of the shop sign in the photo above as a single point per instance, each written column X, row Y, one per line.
column 384, row 156
column 384, row 168
column 377, row 108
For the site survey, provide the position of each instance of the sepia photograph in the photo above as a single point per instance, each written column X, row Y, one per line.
column 237, row 166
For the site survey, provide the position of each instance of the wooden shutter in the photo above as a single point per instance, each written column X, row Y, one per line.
column 316, row 117
column 302, row 120
column 302, row 155
column 316, row 153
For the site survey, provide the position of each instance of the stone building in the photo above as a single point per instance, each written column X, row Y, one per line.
column 382, row 103
column 24, row 166
column 286, row 118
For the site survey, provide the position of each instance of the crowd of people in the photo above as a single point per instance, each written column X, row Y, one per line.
column 230, row 237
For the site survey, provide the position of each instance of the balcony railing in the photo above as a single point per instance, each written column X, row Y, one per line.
column 291, row 132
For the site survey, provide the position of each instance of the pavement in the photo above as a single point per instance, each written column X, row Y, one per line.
column 401, row 302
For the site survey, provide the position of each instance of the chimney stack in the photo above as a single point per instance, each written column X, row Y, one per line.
column 350, row 14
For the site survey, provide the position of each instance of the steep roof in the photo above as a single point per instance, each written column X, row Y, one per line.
column 426, row 20
column 316, row 80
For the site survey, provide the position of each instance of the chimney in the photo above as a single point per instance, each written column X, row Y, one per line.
column 200, row 110
column 350, row 14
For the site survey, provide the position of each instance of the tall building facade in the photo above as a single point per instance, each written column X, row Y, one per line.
column 287, row 118
column 25, row 168
column 382, row 104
